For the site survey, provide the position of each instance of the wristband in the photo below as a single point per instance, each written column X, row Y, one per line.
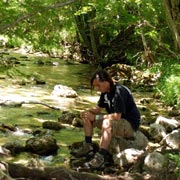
column 98, row 117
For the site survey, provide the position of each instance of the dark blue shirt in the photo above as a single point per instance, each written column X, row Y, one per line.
column 120, row 100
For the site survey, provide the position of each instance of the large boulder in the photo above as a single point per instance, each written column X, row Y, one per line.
column 119, row 144
column 156, row 132
column 52, row 125
column 169, row 124
column 172, row 140
column 128, row 157
column 64, row 91
column 42, row 145
column 155, row 161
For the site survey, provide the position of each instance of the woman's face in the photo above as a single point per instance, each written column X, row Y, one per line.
column 102, row 86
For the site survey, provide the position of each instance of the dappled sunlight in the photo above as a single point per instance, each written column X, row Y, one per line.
column 40, row 120
column 91, row 99
column 22, row 161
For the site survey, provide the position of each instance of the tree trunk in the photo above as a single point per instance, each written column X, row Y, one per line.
column 172, row 9
column 57, row 173
column 94, row 44
column 87, row 33
column 147, row 57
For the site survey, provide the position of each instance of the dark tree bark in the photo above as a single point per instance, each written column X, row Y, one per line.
column 172, row 10
column 87, row 33
column 58, row 173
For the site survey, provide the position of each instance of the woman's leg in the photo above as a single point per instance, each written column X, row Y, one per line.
column 106, row 134
column 87, row 125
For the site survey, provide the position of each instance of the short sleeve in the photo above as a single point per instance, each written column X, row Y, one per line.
column 101, row 101
column 119, row 105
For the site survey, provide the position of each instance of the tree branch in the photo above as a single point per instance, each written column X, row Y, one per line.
column 20, row 19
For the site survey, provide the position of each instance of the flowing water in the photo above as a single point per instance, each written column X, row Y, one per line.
column 31, row 116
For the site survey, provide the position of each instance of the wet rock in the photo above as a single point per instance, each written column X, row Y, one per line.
column 156, row 132
column 151, row 147
column 155, row 162
column 144, row 129
column 128, row 157
column 10, row 102
column 172, row 139
column 35, row 163
column 9, row 127
column 4, row 151
column 42, row 145
column 77, row 122
column 169, row 124
column 69, row 117
column 64, row 91
column 52, row 125
column 145, row 100
column 41, row 132
column 14, row 147
column 4, row 174
column 174, row 113
column 3, row 76
column 119, row 144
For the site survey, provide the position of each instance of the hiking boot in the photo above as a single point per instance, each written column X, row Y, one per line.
column 86, row 150
column 98, row 162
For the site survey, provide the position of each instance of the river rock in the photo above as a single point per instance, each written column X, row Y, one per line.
column 10, row 102
column 4, row 174
column 4, row 151
column 77, row 122
column 155, row 162
column 42, row 145
column 119, row 144
column 169, row 124
column 64, row 91
column 69, row 118
column 172, row 139
column 156, row 132
column 127, row 157
column 14, row 147
column 52, row 125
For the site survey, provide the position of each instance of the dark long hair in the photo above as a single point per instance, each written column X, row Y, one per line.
column 103, row 76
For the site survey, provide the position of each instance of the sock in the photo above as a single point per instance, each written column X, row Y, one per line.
column 88, row 139
column 102, row 151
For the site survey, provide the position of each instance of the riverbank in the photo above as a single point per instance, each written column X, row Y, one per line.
column 30, row 117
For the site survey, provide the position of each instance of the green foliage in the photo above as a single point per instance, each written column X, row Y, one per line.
column 171, row 91
column 36, row 23
column 44, row 26
column 39, row 24
column 169, row 83
column 176, row 158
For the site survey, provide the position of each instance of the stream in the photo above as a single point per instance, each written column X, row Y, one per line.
column 31, row 116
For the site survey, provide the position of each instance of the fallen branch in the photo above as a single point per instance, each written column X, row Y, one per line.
column 41, row 103
column 58, row 173
column 14, row 103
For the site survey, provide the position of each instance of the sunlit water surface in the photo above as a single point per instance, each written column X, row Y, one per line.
column 31, row 116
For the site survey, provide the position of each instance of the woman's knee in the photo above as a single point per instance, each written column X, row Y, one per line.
column 106, row 124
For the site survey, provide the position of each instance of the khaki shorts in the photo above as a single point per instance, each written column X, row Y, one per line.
column 120, row 128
